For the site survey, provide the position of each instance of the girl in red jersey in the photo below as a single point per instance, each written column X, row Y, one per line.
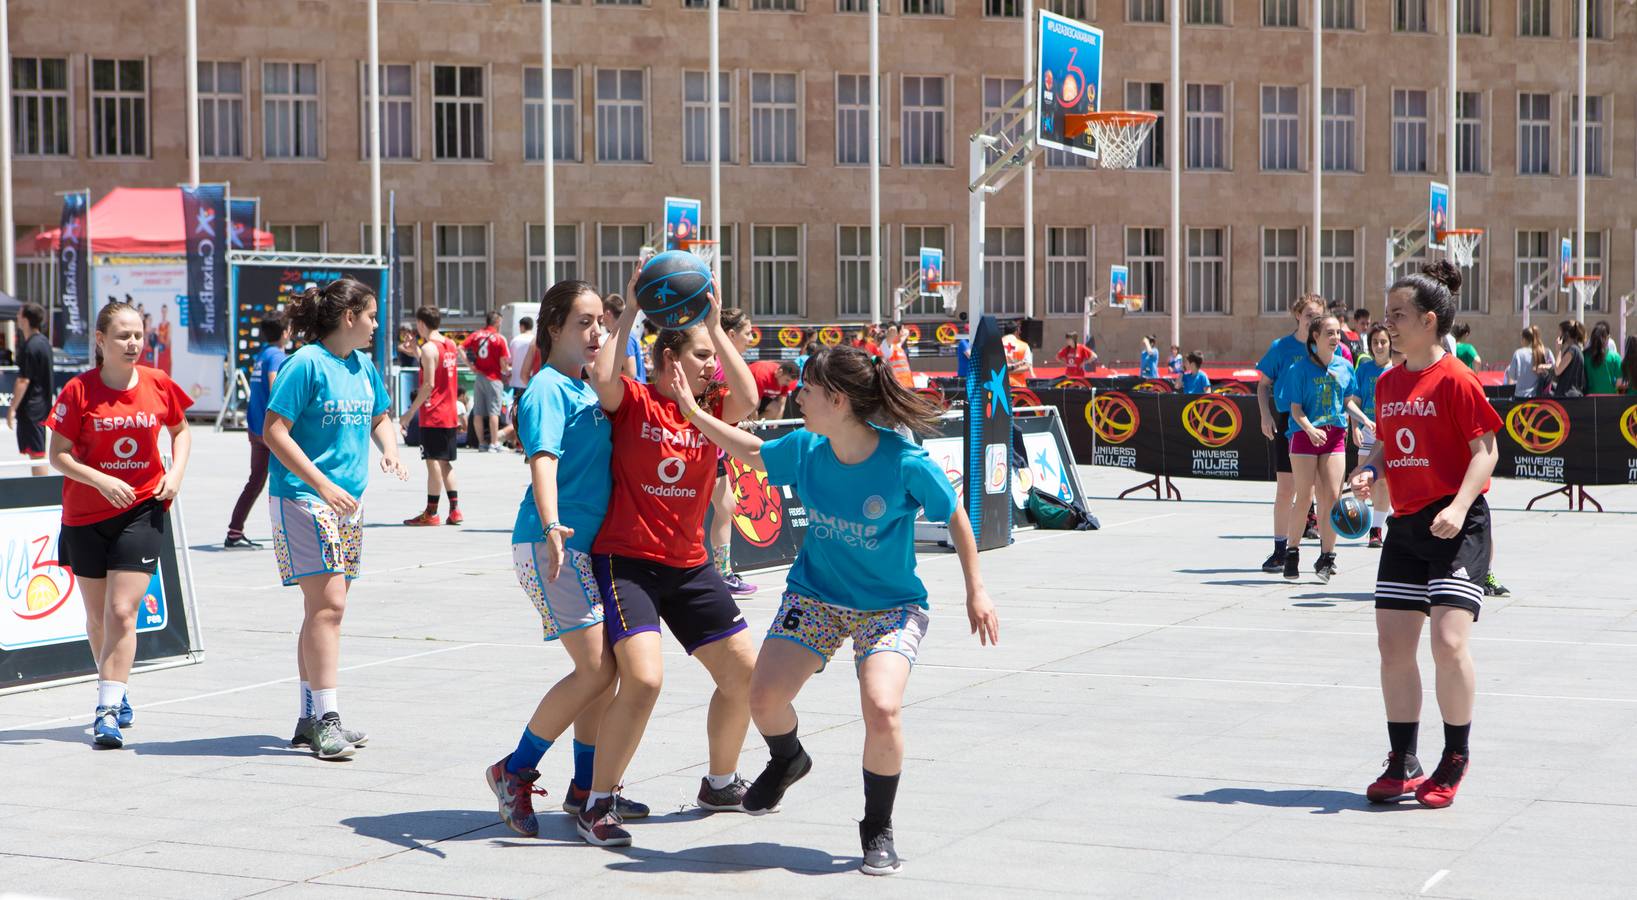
column 650, row 563
column 116, row 490
column 1436, row 448
column 435, row 402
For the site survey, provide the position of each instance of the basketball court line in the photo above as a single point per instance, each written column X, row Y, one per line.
column 275, row 585
column 1369, row 634
column 1436, row 877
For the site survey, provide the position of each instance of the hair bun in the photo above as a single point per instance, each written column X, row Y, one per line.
column 1444, row 272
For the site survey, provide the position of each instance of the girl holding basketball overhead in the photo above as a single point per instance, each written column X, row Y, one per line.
column 1322, row 392
column 649, row 557
column 855, row 576
column 1437, row 451
column 105, row 441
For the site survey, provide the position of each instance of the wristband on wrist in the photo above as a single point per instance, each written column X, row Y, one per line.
column 1372, row 470
column 548, row 528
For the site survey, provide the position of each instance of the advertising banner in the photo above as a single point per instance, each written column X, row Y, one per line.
column 71, row 319
column 681, row 222
column 1069, row 80
column 158, row 287
column 242, row 216
column 932, row 270
column 261, row 289
column 777, row 340
column 988, row 438
column 205, row 221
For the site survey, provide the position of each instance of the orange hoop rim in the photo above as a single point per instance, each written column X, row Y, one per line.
column 1571, row 279
column 1076, row 124
column 690, row 243
column 1461, row 232
column 940, row 285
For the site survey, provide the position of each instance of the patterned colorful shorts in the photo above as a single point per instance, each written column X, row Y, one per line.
column 309, row 538
column 568, row 604
column 821, row 627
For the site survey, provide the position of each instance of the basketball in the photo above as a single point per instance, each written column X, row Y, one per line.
column 672, row 289
column 1350, row 517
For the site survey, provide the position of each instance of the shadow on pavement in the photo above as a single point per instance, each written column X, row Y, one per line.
column 735, row 858
column 1350, row 598
column 1322, row 802
column 233, row 746
column 66, row 734
column 424, row 829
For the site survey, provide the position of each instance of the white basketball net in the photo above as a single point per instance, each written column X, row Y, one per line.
column 951, row 292
column 1118, row 141
column 1585, row 290
column 705, row 250
column 1462, row 248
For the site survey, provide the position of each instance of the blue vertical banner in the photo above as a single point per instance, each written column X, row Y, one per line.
column 242, row 216
column 70, row 320
column 205, row 221
column 988, row 439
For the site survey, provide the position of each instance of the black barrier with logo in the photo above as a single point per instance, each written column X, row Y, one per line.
column 1569, row 440
column 773, row 340
column 769, row 521
column 989, row 438
column 35, row 588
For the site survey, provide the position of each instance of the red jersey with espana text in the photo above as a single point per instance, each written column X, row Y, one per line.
column 664, row 471
column 117, row 433
column 1425, row 421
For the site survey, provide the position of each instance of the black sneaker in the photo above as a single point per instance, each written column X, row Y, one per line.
column 1293, row 564
column 880, row 857
column 303, row 735
column 727, row 799
column 1275, row 563
column 1325, row 568
column 240, row 543
column 1493, row 588
column 768, row 789
column 1311, row 532
column 600, row 825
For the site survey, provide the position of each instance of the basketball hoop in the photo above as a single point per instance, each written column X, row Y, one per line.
column 1461, row 244
column 1133, row 302
column 1119, row 135
column 705, row 250
column 950, row 291
column 1585, row 287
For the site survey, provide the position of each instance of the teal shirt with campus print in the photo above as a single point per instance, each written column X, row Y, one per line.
column 859, row 550
column 1275, row 362
column 1321, row 390
column 330, row 403
column 561, row 416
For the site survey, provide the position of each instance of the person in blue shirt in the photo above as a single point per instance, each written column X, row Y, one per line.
column 264, row 366
column 1379, row 358
column 1148, row 361
column 568, row 442
column 1176, row 363
column 327, row 405
column 862, row 485
column 1322, row 393
column 1194, row 379
column 1276, row 418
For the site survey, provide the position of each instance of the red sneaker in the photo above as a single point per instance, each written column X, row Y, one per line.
column 425, row 518
column 455, row 518
column 1388, row 788
column 515, row 791
column 1438, row 791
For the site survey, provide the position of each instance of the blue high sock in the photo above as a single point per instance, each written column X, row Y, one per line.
column 530, row 748
column 584, row 756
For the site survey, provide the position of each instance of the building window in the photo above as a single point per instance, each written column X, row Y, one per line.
column 853, row 120
column 1205, row 12
column 1149, row 96
column 1068, row 270
column 1469, row 133
column 729, row 269
column 1280, row 14
column 618, row 2
column 459, row 121
column 1599, row 19
column 1281, row 129
column 1340, row 111
column 567, row 263
column 1207, row 270
column 686, row 4
column 1003, row 9
column 298, row 238
column 397, row 110
column 996, row 91
column 408, row 271
column 1281, row 268
column 1471, row 16
column 1596, row 159
column 289, row 110
column 1535, row 17
column 853, row 6
column 1474, row 292
column 1411, row 125
column 622, row 109
column 1534, row 268
column 1003, row 266
column 853, row 271
column 221, row 110
column 1410, row 16
column 618, row 249
column 1338, row 265
column 775, row 118
column 460, row 257
column 565, row 113
column 1074, row 9
column 1340, row 15
column 36, row 275
column 924, row 8
column 775, row 269
column 776, row 5
column 119, row 107
column 39, row 106
column 1207, row 126
column 925, row 120
column 696, row 116
column 1145, row 257
column 916, row 237
column 1534, row 134
column 1145, row 11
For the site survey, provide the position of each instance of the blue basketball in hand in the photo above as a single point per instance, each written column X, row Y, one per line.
column 673, row 289
column 1350, row 517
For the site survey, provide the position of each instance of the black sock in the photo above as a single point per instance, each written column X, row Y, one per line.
column 1402, row 736
column 784, row 747
column 454, row 500
column 431, row 504
column 879, row 793
column 1279, row 545
column 1455, row 737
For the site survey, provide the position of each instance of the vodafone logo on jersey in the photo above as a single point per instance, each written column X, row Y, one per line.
column 670, row 471
column 1405, row 440
column 125, row 447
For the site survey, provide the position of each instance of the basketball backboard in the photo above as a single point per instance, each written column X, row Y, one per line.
column 932, row 270
column 1565, row 263
column 1437, row 214
column 681, row 221
column 1068, row 80
column 1119, row 284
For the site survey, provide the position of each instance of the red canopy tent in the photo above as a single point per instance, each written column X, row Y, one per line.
column 134, row 221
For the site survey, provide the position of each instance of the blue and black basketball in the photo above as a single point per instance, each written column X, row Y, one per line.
column 672, row 289
column 1350, row 517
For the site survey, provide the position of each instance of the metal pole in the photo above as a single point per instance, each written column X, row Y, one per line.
column 8, row 228
column 974, row 233
column 1028, row 172
column 375, row 128
column 1176, row 121
column 875, row 161
column 1451, row 96
column 1316, row 151
column 715, row 130
column 548, row 149
column 1580, row 175
column 193, row 94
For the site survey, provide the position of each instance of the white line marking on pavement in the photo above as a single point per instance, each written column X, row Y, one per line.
column 1436, row 877
column 275, row 585
column 1630, row 645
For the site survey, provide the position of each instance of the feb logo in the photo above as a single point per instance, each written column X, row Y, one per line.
column 995, row 470
column 151, row 604
column 1153, row 386
column 1628, row 425
column 758, row 510
column 947, row 333
column 829, row 335
column 1066, row 382
column 1023, row 398
column 1231, row 387
column 1211, row 420
column 755, row 336
column 1113, row 417
column 1538, row 426
column 914, row 332
column 790, row 336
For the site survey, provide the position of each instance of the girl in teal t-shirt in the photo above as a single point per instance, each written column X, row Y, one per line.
column 863, row 486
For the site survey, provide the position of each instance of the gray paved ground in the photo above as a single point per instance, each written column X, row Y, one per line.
column 1160, row 720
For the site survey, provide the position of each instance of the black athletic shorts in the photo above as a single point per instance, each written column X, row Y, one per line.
column 439, row 443
column 1281, row 444
column 1419, row 571
column 128, row 542
column 637, row 594
column 30, row 435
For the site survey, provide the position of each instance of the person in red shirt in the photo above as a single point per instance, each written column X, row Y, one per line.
column 775, row 380
column 105, row 441
column 440, row 423
column 490, row 356
column 895, row 353
column 650, row 562
column 1436, row 448
column 1074, row 356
